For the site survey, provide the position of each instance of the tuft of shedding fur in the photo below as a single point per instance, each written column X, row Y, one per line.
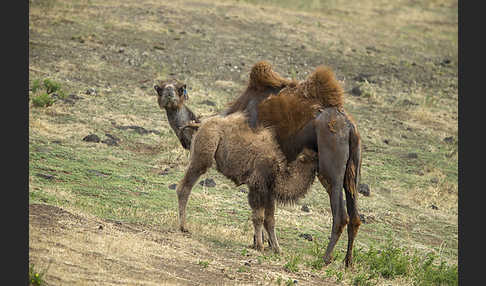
column 322, row 87
column 263, row 76
column 263, row 82
column 294, row 106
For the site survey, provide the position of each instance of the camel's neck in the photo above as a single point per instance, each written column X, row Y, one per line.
column 178, row 118
column 304, row 138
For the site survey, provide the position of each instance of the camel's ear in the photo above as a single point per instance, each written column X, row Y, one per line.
column 184, row 92
column 157, row 88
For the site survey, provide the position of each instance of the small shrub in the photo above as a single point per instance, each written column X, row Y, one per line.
column 36, row 85
column 42, row 100
column 289, row 282
column 52, row 92
column 203, row 263
column 427, row 273
column 292, row 265
column 317, row 251
column 243, row 269
column 51, row 86
column 36, row 278
column 390, row 262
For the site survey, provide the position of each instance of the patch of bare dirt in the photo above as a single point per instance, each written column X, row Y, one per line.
column 81, row 250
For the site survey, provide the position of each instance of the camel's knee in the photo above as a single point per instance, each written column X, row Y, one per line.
column 355, row 221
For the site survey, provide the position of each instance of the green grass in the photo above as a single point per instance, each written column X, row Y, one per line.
column 36, row 277
column 387, row 261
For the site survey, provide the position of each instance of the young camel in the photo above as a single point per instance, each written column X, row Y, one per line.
column 250, row 157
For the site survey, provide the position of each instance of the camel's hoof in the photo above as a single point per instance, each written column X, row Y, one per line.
column 348, row 262
column 253, row 246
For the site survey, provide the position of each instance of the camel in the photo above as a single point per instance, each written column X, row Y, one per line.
column 307, row 115
column 251, row 157
column 310, row 114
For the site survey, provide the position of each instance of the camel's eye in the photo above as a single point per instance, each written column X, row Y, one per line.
column 183, row 91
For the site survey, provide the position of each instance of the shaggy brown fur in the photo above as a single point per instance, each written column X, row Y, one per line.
column 263, row 82
column 295, row 106
column 171, row 95
column 250, row 157
column 310, row 114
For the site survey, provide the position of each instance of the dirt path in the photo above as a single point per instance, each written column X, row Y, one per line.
column 81, row 250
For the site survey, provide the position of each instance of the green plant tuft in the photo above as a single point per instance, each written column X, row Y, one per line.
column 43, row 100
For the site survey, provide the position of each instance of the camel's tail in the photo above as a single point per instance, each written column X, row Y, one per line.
column 353, row 167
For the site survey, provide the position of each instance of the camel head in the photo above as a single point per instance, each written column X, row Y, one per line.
column 171, row 93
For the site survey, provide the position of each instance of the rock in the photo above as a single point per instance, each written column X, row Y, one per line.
column 408, row 102
column 98, row 173
column 45, row 176
column 71, row 99
column 111, row 140
column 172, row 186
column 362, row 218
column 361, row 77
column 208, row 102
column 305, row 208
column 210, row 183
column 121, row 50
column 449, row 139
column 364, row 189
column 138, row 129
column 91, row 91
column 92, row 138
column 164, row 172
column 356, row 91
column 244, row 191
column 248, row 263
column 306, row 236
column 412, row 155
column 386, row 141
column 434, row 207
column 445, row 62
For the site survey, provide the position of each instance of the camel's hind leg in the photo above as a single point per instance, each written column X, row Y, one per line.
column 258, row 215
column 202, row 153
column 333, row 149
column 269, row 224
column 353, row 169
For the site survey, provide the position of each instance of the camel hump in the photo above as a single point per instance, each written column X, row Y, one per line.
column 323, row 87
column 263, row 76
column 286, row 114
